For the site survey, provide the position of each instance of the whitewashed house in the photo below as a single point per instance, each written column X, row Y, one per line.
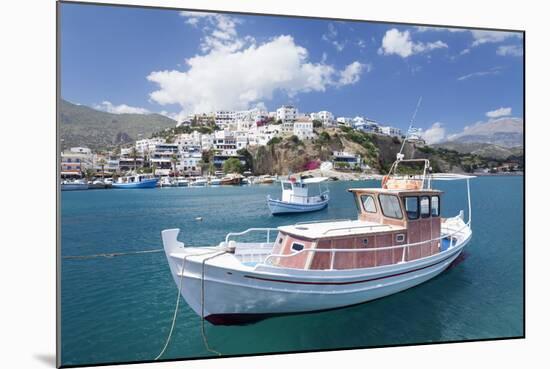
column 303, row 129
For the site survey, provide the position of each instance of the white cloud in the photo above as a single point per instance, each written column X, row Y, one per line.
column 332, row 37
column 483, row 37
column 400, row 43
column 512, row 50
column 435, row 134
column 352, row 73
column 220, row 31
column 120, row 109
column 500, row 112
column 491, row 72
column 234, row 79
column 439, row 29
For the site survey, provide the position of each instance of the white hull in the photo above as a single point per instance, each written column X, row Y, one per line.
column 234, row 291
column 283, row 207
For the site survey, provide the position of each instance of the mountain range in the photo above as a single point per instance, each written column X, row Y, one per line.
column 504, row 132
column 83, row 126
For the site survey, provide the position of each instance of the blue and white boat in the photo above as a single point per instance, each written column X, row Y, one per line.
column 297, row 198
column 136, row 181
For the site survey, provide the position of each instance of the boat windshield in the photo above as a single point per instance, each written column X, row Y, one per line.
column 390, row 206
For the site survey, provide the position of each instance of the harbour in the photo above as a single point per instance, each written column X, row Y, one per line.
column 120, row 308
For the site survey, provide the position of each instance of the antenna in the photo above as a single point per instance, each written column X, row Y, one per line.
column 400, row 155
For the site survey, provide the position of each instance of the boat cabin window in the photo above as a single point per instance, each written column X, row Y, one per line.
column 424, row 206
column 435, row 206
column 390, row 206
column 287, row 186
column 411, row 207
column 368, row 203
column 297, row 247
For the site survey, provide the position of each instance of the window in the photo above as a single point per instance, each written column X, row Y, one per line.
column 424, row 206
column 287, row 186
column 435, row 206
column 368, row 203
column 400, row 237
column 411, row 207
column 390, row 206
column 297, row 247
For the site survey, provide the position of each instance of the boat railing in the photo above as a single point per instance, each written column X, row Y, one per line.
column 405, row 247
column 251, row 230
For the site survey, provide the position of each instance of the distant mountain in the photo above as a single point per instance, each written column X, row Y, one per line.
column 483, row 150
column 84, row 126
column 507, row 132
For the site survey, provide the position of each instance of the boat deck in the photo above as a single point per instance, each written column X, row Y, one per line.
column 332, row 229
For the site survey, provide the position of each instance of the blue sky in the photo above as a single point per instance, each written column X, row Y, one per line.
column 146, row 60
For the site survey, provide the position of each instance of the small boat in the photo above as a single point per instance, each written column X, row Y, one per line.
column 215, row 181
column 265, row 179
column 199, row 182
column 75, row 185
column 182, row 182
column 97, row 184
column 232, row 179
column 136, row 181
column 399, row 240
column 166, row 182
column 296, row 197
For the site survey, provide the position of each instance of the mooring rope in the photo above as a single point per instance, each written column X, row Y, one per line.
column 203, row 331
column 175, row 311
column 204, row 339
column 111, row 254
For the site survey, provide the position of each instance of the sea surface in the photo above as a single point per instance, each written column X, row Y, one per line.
column 121, row 308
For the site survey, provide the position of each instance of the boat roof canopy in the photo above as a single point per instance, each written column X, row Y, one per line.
column 391, row 191
column 449, row 177
column 314, row 180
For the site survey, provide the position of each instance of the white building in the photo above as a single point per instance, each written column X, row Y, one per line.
column 75, row 161
column 189, row 163
column 390, row 131
column 225, row 143
column 224, row 118
column 287, row 113
column 326, row 117
column 148, row 144
column 303, row 129
column 345, row 121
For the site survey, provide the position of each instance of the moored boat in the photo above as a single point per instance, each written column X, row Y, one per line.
column 199, row 182
column 399, row 240
column 76, row 185
column 232, row 179
column 297, row 198
column 136, row 181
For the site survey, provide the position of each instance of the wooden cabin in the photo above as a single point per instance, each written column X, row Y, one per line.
column 386, row 217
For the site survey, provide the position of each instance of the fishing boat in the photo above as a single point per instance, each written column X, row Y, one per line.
column 136, row 181
column 215, row 181
column 166, row 182
column 182, row 182
column 265, row 179
column 232, row 179
column 399, row 240
column 297, row 198
column 75, row 185
column 199, row 182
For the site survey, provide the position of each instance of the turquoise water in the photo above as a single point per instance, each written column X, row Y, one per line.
column 120, row 309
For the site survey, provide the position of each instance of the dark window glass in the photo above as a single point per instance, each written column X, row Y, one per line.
column 297, row 246
column 368, row 203
column 425, row 206
column 435, row 206
column 390, row 206
column 411, row 207
column 287, row 186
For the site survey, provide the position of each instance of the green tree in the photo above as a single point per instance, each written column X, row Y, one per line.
column 174, row 161
column 317, row 123
column 233, row 165
column 102, row 163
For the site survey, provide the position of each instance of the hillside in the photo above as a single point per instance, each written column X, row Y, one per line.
column 84, row 126
column 379, row 152
column 506, row 132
